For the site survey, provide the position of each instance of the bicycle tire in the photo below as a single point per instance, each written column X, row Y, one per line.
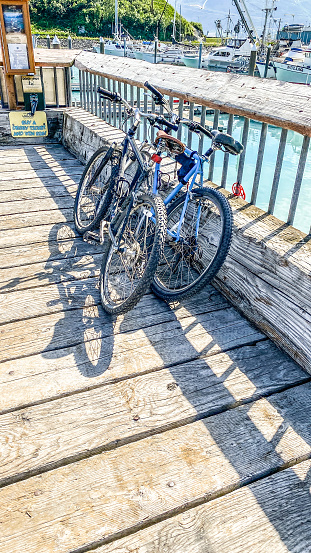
column 137, row 260
column 91, row 204
column 180, row 263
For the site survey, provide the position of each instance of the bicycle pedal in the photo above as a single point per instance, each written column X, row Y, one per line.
column 91, row 237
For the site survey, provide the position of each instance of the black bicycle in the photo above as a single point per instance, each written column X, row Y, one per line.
column 114, row 194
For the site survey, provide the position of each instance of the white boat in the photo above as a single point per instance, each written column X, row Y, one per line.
column 293, row 66
column 116, row 48
column 295, row 71
column 190, row 58
column 172, row 54
column 225, row 56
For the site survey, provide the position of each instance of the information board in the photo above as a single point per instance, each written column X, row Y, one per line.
column 16, row 40
column 24, row 125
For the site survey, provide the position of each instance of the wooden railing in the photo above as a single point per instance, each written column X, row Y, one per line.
column 270, row 102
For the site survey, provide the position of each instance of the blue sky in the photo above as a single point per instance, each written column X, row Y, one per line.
column 301, row 9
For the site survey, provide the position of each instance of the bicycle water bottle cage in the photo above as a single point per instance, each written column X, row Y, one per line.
column 170, row 143
column 186, row 163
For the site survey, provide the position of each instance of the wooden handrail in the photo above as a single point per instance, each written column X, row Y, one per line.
column 53, row 58
column 285, row 105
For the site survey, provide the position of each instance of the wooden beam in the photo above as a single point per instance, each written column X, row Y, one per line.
column 11, row 93
column 278, row 103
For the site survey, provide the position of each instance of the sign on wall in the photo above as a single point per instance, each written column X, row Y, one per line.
column 25, row 125
column 16, row 38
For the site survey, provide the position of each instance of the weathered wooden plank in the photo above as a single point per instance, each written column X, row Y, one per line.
column 40, row 233
column 43, row 252
column 197, row 334
column 41, row 204
column 39, row 164
column 17, row 278
column 34, row 156
column 32, row 173
column 63, row 57
column 23, row 184
column 158, row 476
column 270, row 515
column 278, row 103
column 24, row 194
column 34, row 219
column 104, row 418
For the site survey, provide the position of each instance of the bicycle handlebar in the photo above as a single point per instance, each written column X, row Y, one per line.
column 196, row 127
column 162, row 121
column 113, row 96
column 154, row 91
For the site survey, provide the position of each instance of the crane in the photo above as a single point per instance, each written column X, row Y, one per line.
column 246, row 20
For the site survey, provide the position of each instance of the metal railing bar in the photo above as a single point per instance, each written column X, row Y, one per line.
column 212, row 160
column 84, row 89
column 96, row 79
column 191, row 115
column 125, row 98
column 244, row 142
column 91, row 92
column 87, row 87
column 180, row 115
column 138, row 105
column 42, row 84
column 120, row 105
column 103, row 101
column 202, row 121
column 152, row 128
column 145, row 110
column 132, row 99
column 298, row 180
column 277, row 171
column 109, row 103
column 260, row 154
column 56, row 87
column 226, row 156
column 114, row 106
column 68, row 86
column 81, row 87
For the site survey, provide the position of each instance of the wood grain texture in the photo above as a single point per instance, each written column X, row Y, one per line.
column 278, row 103
column 53, row 58
column 107, row 417
column 139, row 482
column 261, row 518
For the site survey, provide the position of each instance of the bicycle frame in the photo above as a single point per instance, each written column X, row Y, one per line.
column 192, row 174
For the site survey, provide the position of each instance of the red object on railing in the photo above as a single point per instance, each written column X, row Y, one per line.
column 156, row 158
column 238, row 190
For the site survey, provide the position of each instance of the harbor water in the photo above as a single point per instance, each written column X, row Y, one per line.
column 288, row 172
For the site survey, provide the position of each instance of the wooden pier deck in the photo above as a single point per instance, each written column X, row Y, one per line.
column 173, row 429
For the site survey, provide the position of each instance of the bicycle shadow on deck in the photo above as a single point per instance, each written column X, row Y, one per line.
column 209, row 350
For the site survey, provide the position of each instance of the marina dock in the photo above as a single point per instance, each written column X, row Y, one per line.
column 170, row 429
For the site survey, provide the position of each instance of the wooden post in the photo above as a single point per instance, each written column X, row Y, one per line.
column 10, row 86
column 252, row 60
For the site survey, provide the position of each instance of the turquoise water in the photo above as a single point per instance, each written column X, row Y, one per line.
column 302, row 219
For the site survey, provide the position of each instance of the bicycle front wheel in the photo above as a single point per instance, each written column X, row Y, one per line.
column 128, row 268
column 94, row 192
column 189, row 263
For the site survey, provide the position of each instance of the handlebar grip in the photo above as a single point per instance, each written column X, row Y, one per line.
column 113, row 96
column 154, row 90
column 170, row 125
column 205, row 131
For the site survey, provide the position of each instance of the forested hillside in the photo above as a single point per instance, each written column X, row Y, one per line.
column 139, row 17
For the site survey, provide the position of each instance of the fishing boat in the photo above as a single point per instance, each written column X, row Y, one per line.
column 224, row 56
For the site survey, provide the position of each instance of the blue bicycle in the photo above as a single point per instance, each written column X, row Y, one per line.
column 199, row 228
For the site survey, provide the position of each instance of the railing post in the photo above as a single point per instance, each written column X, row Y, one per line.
column 226, row 156
column 242, row 156
column 202, row 121
column 277, row 171
column 212, row 159
column 191, row 115
column 298, row 180
column 261, row 151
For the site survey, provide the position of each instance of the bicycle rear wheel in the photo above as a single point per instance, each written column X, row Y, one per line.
column 189, row 264
column 127, row 271
column 94, row 192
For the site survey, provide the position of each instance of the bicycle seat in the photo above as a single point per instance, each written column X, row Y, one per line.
column 173, row 145
column 227, row 142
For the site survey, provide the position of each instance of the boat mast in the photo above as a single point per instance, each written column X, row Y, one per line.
column 174, row 22
column 116, row 23
column 246, row 20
